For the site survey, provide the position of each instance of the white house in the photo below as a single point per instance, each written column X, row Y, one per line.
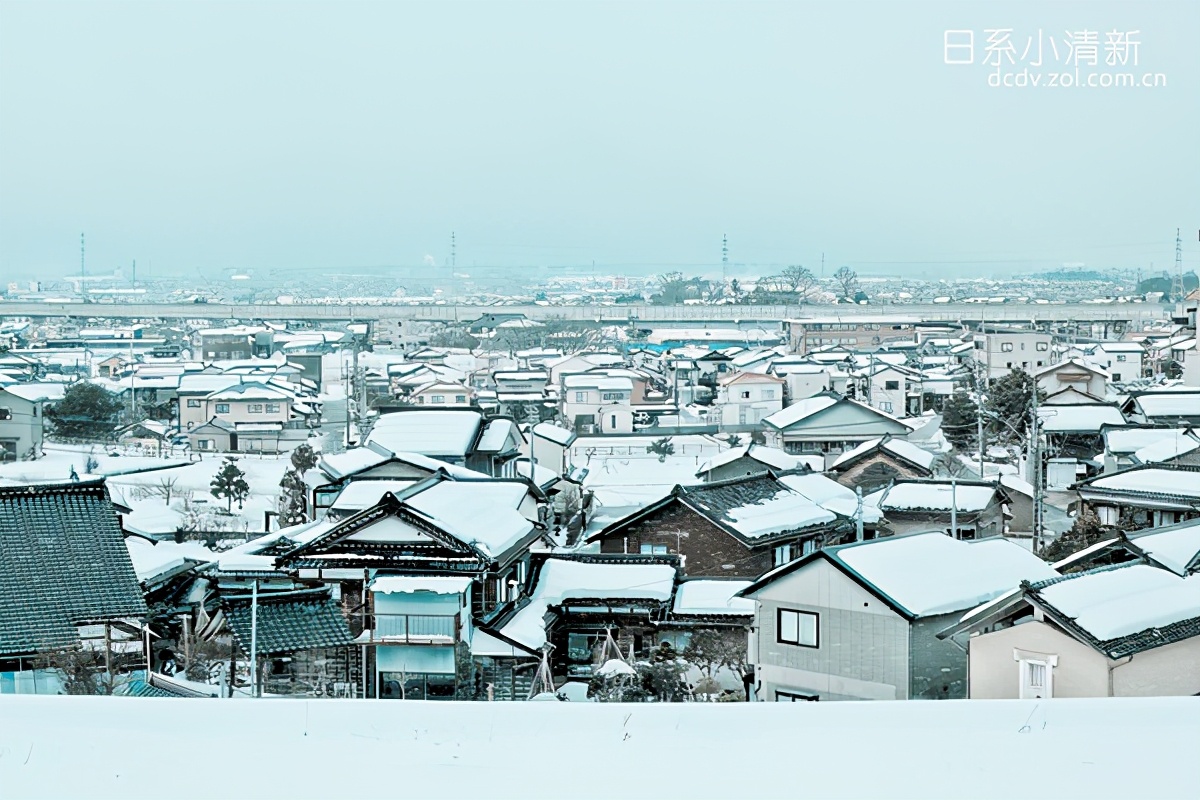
column 747, row 398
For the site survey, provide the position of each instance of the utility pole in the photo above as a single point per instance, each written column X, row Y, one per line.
column 254, row 639
column 1036, row 471
column 858, row 515
column 953, row 508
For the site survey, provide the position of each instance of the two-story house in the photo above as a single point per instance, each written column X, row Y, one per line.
column 21, row 418
column 747, row 398
column 860, row 621
column 1002, row 351
column 598, row 402
column 249, row 418
column 961, row 509
column 829, row 424
column 1122, row 360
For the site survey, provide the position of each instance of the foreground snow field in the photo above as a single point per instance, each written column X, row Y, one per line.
column 118, row 747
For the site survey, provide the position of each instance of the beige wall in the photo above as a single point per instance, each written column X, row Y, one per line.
column 864, row 645
column 1172, row 670
column 995, row 675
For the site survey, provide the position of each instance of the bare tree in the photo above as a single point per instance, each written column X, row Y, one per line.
column 165, row 488
column 847, row 281
column 799, row 280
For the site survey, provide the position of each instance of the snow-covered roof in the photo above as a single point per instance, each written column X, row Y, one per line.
column 151, row 559
column 407, row 584
column 496, row 435
column 898, row 447
column 701, row 596
column 787, row 510
column 1113, row 603
column 1157, row 480
column 932, row 496
column 560, row 580
column 37, row 392
column 1130, row 440
column 1169, row 404
column 357, row 495
column 548, row 430
column 830, row 494
column 1075, row 418
column 1167, row 448
column 437, row 433
column 932, row 573
column 801, row 409
column 1175, row 546
column 482, row 513
column 769, row 456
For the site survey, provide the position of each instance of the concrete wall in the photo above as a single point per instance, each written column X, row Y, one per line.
column 938, row 667
column 996, row 675
column 23, row 428
column 864, row 645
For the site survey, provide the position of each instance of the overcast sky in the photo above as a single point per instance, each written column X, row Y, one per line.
column 218, row 136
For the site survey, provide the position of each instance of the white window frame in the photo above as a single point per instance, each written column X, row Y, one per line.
column 783, row 554
column 254, row 408
column 193, row 403
column 222, row 408
column 1033, row 667
column 581, row 397
column 272, row 408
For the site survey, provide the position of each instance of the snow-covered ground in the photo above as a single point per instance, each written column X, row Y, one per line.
column 99, row 747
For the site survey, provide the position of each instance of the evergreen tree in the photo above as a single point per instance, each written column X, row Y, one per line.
column 1086, row 532
column 662, row 448
column 293, row 499
column 86, row 411
column 230, row 483
column 960, row 416
column 1010, row 399
column 304, row 458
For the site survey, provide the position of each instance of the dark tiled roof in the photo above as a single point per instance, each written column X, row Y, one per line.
column 62, row 562
column 288, row 621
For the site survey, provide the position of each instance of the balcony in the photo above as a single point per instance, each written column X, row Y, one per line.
column 434, row 629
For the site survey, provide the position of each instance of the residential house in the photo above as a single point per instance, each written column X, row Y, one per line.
column 881, row 461
column 442, row 394
column 1144, row 496
column 860, row 621
column 806, row 335
column 463, row 437
column 753, row 459
column 1001, row 351
column 251, row 418
column 960, row 509
column 22, row 409
column 1178, row 406
column 734, row 528
column 1130, row 629
column 828, row 424
column 1076, row 374
column 1122, row 443
column 598, row 402
column 1123, row 361
column 747, row 398
column 806, row 379
column 550, row 447
column 67, row 580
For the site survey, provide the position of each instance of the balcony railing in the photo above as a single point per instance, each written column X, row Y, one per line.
column 412, row 629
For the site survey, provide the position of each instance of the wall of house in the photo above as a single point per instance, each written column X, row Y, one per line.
column 938, row 667
column 890, row 401
column 875, row 471
column 761, row 401
column 22, row 432
column 742, row 468
column 1169, row 671
column 864, row 645
column 836, row 430
column 996, row 675
column 1029, row 350
column 707, row 549
column 806, row 384
column 547, row 453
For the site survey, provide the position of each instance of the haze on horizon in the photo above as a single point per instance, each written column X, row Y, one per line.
column 206, row 136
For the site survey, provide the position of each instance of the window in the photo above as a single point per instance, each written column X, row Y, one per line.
column 205, row 444
column 193, row 404
column 653, row 549
column 5, row 413
column 768, row 394
column 1043, row 346
column 891, row 386
column 1116, row 376
column 438, row 398
column 1006, row 347
column 222, row 408
column 746, row 395
column 460, row 398
column 885, row 406
column 1121, row 357
column 255, row 408
column 581, row 397
column 801, row 628
column 272, row 408
column 1036, row 674
column 608, row 396
column 794, row 697
column 783, row 554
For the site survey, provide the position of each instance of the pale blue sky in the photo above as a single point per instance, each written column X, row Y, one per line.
column 207, row 135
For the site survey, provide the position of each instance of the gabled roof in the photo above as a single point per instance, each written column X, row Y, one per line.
column 811, row 407
column 287, row 621
column 62, row 563
column 1073, row 363
column 925, row 574
column 937, row 495
column 910, row 454
column 1167, row 482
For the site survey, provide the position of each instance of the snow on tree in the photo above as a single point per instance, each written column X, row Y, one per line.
column 304, row 458
column 230, row 483
column 293, row 499
column 712, row 650
column 847, row 282
column 86, row 411
column 1010, row 399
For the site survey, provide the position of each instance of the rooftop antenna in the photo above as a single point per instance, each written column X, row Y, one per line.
column 1177, row 279
column 724, row 258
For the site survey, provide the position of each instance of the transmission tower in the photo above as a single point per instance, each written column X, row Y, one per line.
column 82, row 268
column 1177, row 278
column 724, row 258
column 453, row 252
